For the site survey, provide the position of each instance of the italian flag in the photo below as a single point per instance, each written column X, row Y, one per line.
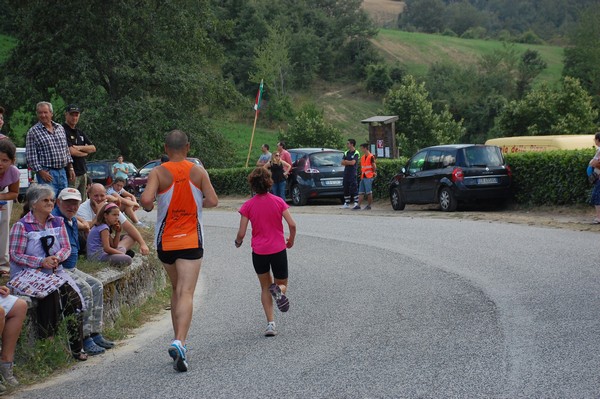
column 258, row 97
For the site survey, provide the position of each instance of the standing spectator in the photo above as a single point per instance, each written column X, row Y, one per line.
column 280, row 171
column 12, row 314
column 283, row 153
column 368, row 171
column 47, row 150
column 350, row 163
column 265, row 212
column 595, row 163
column 128, row 203
column 80, row 147
column 121, row 169
column 87, row 213
column 9, row 191
column 91, row 288
column 265, row 156
column 181, row 189
column 39, row 241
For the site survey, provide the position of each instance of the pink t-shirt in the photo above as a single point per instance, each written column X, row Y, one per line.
column 265, row 214
column 9, row 177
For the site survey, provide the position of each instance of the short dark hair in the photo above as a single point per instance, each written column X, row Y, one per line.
column 260, row 180
column 119, row 180
column 352, row 141
column 282, row 144
column 176, row 140
column 266, row 146
column 597, row 135
column 7, row 147
column 365, row 146
column 1, row 110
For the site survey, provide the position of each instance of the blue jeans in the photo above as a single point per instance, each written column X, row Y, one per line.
column 278, row 189
column 59, row 180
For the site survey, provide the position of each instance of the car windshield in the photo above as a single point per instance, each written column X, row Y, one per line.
column 330, row 159
column 132, row 169
column 483, row 156
column 21, row 160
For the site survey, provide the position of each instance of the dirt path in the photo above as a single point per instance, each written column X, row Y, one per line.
column 578, row 218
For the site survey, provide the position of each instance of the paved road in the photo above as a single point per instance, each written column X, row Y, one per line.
column 381, row 307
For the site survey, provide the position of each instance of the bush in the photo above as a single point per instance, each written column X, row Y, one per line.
column 474, row 33
column 550, row 178
column 449, row 32
column 378, row 78
column 231, row 181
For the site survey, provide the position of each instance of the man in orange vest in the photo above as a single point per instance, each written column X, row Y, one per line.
column 368, row 171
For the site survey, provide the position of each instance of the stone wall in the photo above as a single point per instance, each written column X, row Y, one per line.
column 130, row 286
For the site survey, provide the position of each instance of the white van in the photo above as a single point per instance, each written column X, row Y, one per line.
column 26, row 174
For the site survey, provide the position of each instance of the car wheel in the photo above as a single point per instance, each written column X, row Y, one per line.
column 298, row 199
column 447, row 201
column 396, row 199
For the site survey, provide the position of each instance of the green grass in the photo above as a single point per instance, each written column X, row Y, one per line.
column 239, row 134
column 417, row 51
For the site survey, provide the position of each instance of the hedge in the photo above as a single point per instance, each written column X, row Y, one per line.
column 551, row 177
column 539, row 178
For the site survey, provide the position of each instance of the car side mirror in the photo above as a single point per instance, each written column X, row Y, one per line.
column 403, row 170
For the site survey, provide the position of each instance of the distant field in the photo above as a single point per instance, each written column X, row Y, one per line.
column 418, row 51
column 383, row 12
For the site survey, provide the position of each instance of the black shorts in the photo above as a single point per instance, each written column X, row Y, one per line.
column 169, row 257
column 276, row 262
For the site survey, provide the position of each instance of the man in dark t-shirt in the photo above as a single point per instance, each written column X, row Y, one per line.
column 350, row 163
column 80, row 147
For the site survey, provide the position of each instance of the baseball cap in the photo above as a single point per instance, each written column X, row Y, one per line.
column 72, row 108
column 69, row 193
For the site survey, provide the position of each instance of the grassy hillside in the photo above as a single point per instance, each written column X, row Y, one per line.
column 417, row 51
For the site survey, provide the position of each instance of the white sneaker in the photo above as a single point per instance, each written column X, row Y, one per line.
column 270, row 331
column 345, row 206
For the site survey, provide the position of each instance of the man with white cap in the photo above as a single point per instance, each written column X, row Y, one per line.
column 91, row 288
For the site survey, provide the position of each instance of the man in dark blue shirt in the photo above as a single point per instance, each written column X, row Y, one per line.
column 350, row 162
column 80, row 147
column 91, row 288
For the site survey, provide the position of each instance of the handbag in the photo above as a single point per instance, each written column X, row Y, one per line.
column 35, row 283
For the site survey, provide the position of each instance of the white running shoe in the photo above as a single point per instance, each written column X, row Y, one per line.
column 270, row 331
column 345, row 206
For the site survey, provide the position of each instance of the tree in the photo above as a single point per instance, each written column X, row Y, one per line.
column 272, row 62
column 582, row 59
column 139, row 69
column 544, row 110
column 424, row 15
column 309, row 129
column 530, row 66
column 418, row 125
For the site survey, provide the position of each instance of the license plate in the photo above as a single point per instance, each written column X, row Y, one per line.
column 487, row 180
column 333, row 182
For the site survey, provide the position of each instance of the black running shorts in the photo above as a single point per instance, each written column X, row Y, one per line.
column 169, row 257
column 276, row 262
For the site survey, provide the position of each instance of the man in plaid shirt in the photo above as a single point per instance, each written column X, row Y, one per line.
column 47, row 150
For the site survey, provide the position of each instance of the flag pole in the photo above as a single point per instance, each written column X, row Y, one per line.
column 256, row 109
column 252, row 138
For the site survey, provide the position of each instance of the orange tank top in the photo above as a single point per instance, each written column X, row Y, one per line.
column 179, row 207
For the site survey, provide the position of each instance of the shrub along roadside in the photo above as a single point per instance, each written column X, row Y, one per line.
column 539, row 178
column 551, row 177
